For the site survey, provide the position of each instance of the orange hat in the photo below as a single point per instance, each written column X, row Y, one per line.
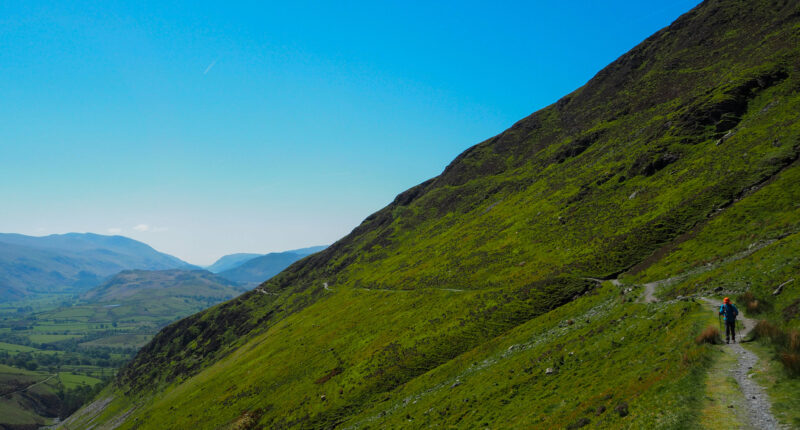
column 726, row 300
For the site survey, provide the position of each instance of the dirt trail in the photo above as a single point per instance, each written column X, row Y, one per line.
column 32, row 385
column 650, row 292
column 756, row 400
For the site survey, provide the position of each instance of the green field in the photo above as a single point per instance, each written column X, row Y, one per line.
column 84, row 342
column 10, row 347
column 72, row 380
column 22, row 389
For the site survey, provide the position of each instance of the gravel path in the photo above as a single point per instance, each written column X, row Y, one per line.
column 758, row 405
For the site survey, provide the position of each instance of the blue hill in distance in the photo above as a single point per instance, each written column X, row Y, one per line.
column 257, row 269
column 72, row 262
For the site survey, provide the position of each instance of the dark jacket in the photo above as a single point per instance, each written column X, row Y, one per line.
column 729, row 311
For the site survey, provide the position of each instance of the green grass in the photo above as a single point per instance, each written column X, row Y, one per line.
column 782, row 389
column 15, row 407
column 85, row 342
column 50, row 338
column 618, row 333
column 120, row 341
column 445, row 308
column 10, row 347
column 10, row 370
column 71, row 380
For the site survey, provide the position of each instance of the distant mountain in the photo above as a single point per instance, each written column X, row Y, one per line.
column 260, row 269
column 308, row 251
column 160, row 285
column 232, row 261
column 71, row 262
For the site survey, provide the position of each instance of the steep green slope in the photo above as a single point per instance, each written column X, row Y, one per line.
column 448, row 306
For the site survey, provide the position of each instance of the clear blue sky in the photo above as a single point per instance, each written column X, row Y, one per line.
column 206, row 128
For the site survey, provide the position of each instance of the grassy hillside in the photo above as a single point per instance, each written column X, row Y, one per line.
column 163, row 284
column 466, row 301
column 30, row 399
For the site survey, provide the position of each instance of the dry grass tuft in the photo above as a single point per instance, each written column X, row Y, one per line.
column 787, row 344
column 766, row 330
column 794, row 340
column 791, row 360
column 710, row 335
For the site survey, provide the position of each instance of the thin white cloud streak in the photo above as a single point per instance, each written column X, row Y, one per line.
column 210, row 66
column 142, row 228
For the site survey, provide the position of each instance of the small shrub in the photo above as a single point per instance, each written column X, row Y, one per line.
column 622, row 409
column 710, row 335
column 794, row 340
column 786, row 344
column 791, row 360
column 766, row 330
column 753, row 304
column 747, row 297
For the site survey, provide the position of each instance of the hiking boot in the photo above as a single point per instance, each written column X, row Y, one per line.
column 727, row 341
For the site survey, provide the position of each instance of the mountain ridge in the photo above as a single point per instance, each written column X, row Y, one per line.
column 232, row 261
column 466, row 301
column 71, row 261
column 128, row 283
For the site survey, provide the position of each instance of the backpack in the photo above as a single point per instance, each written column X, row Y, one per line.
column 729, row 311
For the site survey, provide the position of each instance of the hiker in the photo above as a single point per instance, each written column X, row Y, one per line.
column 729, row 312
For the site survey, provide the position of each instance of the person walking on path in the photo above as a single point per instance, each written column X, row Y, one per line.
column 729, row 313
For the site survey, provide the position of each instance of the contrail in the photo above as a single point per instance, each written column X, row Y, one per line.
column 210, row 66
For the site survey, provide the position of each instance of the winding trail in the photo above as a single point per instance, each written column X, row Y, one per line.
column 32, row 385
column 756, row 400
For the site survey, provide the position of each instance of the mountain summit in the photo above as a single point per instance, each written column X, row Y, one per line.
column 475, row 298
